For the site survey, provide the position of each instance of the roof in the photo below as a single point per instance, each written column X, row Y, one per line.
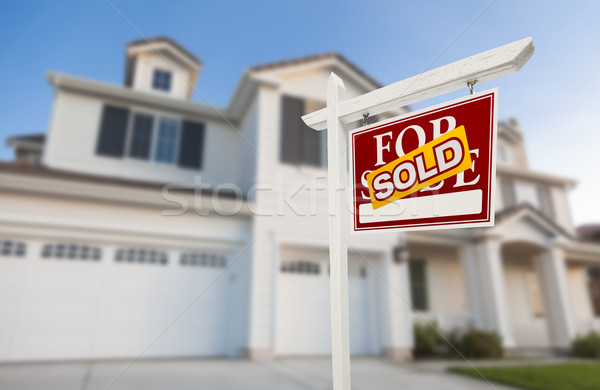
column 590, row 232
column 40, row 137
column 313, row 58
column 505, row 214
column 41, row 171
column 149, row 41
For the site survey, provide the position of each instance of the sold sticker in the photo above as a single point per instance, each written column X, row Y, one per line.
column 439, row 159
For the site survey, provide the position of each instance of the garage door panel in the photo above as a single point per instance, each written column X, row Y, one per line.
column 303, row 324
column 113, row 308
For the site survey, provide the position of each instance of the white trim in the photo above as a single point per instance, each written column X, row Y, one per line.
column 130, row 96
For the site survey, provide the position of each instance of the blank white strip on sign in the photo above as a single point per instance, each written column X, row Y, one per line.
column 441, row 205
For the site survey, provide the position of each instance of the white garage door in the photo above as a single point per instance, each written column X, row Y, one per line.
column 71, row 301
column 303, row 324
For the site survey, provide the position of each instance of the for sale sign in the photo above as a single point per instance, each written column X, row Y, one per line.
column 430, row 169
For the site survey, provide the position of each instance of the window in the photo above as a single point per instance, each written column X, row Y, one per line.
column 509, row 196
column 166, row 140
column 161, row 80
column 535, row 295
column 163, row 139
column 135, row 255
column 113, row 130
column 299, row 143
column 10, row 248
column 301, row 267
column 203, row 260
column 141, row 137
column 418, row 284
column 71, row 252
column 545, row 201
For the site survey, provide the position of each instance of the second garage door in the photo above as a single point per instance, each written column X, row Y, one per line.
column 303, row 323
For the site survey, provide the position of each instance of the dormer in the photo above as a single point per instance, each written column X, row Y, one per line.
column 162, row 67
column 511, row 146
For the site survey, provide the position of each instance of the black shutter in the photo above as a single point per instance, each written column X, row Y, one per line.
column 113, row 129
column 291, row 130
column 191, row 145
column 312, row 146
column 142, row 136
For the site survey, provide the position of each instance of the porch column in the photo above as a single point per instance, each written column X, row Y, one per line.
column 496, row 316
column 397, row 313
column 472, row 284
column 552, row 272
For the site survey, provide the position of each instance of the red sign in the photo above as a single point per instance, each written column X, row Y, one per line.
column 430, row 169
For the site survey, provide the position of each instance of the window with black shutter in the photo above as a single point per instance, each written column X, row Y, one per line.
column 191, row 145
column 113, row 131
column 141, row 139
column 418, row 284
column 299, row 143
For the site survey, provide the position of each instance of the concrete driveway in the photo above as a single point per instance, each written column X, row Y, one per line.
column 288, row 374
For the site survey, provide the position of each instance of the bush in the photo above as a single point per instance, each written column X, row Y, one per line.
column 474, row 344
column 427, row 339
column 587, row 346
column 479, row 344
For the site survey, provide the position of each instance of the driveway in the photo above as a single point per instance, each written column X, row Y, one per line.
column 288, row 374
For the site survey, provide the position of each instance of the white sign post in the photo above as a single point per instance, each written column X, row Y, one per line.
column 485, row 66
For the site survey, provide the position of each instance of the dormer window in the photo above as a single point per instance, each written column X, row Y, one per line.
column 161, row 80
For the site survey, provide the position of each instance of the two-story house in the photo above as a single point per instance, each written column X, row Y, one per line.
column 143, row 222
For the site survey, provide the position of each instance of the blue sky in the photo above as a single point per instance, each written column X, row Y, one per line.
column 554, row 96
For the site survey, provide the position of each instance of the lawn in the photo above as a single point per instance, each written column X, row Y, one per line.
column 572, row 376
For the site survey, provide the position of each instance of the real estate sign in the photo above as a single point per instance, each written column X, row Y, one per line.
column 429, row 169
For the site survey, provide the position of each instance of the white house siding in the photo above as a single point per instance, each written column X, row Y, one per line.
column 73, row 133
column 562, row 210
column 71, row 309
column 282, row 220
column 580, row 296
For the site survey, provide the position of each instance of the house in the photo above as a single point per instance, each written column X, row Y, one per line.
column 143, row 222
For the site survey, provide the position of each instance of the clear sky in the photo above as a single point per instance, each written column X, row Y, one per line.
column 555, row 96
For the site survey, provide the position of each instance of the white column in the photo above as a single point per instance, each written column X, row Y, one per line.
column 493, row 290
column 261, row 326
column 397, row 313
column 552, row 272
column 469, row 267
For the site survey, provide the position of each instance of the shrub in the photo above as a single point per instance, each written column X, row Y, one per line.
column 479, row 344
column 427, row 338
column 587, row 346
column 476, row 344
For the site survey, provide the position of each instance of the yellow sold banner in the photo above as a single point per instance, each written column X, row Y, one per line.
column 439, row 159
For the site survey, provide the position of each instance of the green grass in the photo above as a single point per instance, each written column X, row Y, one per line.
column 572, row 376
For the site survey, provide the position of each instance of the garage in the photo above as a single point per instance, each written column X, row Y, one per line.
column 303, row 319
column 73, row 300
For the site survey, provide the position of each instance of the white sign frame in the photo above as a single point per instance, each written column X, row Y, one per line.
column 481, row 67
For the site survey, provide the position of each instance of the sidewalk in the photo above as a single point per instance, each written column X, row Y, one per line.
column 288, row 374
